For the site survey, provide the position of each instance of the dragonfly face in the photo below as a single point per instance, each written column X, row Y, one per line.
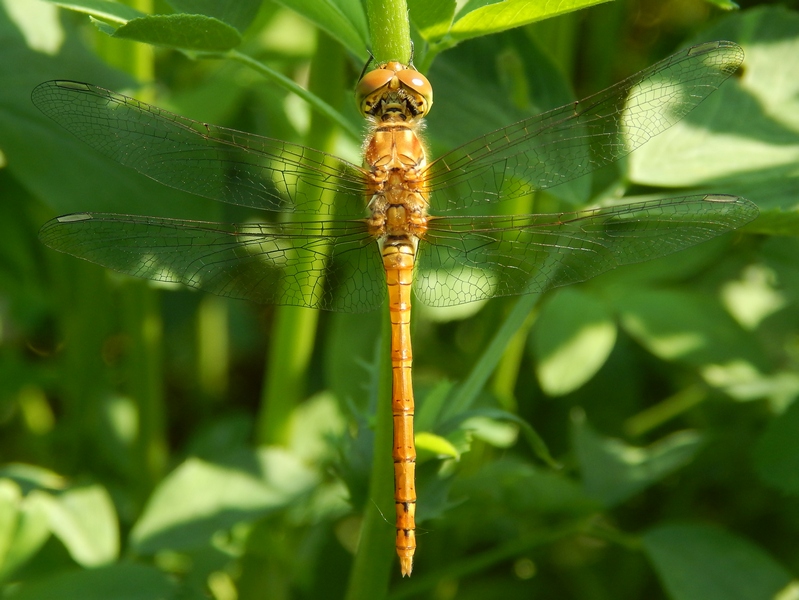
column 394, row 88
column 398, row 221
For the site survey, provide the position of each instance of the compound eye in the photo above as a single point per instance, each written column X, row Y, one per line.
column 418, row 83
column 371, row 82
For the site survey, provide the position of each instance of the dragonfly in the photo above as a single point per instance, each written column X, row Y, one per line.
column 398, row 222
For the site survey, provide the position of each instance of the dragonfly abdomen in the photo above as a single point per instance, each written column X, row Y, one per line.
column 398, row 260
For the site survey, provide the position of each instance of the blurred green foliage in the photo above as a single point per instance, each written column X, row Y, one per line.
column 157, row 443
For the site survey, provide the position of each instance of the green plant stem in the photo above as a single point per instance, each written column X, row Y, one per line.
column 464, row 395
column 295, row 328
column 390, row 30
column 371, row 569
column 141, row 320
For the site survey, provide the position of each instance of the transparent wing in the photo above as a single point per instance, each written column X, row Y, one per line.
column 463, row 259
column 565, row 143
column 214, row 162
column 332, row 266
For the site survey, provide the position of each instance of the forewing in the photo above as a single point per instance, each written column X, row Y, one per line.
column 214, row 162
column 332, row 266
column 463, row 259
column 570, row 141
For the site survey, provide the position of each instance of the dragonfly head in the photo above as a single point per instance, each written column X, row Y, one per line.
column 394, row 91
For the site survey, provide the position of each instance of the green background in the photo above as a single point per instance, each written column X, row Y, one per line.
column 632, row 437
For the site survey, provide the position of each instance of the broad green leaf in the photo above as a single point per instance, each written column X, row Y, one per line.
column 507, row 14
column 572, row 338
column 104, row 10
column 39, row 23
column 613, row 471
column 743, row 382
column 33, row 476
column 117, row 582
column 432, row 19
column 314, row 426
column 510, row 485
column 481, row 93
column 239, row 13
column 724, row 4
column 754, row 297
column 10, row 497
column 344, row 20
column 531, row 436
column 200, row 498
column 23, row 527
column 697, row 562
column 85, row 521
column 187, row 32
column 434, row 445
column 498, row 433
column 685, row 326
column 747, row 130
column 776, row 454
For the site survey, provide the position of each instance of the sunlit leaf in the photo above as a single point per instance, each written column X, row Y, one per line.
column 23, row 527
column 507, row 14
column 432, row 19
column 573, row 337
column 85, row 521
column 724, row 4
column 344, row 20
column 676, row 325
column 200, row 498
column 748, row 129
column 435, row 445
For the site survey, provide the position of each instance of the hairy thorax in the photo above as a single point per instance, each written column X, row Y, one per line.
column 395, row 158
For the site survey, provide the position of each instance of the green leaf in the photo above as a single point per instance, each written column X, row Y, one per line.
column 432, row 19
column 187, row 32
column 23, row 527
column 33, row 476
column 314, row 424
column 510, row 485
column 748, row 129
column 200, row 498
column 614, row 471
column 120, row 582
column 776, row 454
column 104, row 10
column 685, row 326
column 239, row 13
column 434, row 445
column 507, row 14
column 84, row 519
column 344, row 20
column 536, row 443
column 696, row 562
column 724, row 4
column 498, row 433
column 572, row 338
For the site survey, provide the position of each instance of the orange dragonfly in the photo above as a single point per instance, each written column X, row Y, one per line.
column 397, row 222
